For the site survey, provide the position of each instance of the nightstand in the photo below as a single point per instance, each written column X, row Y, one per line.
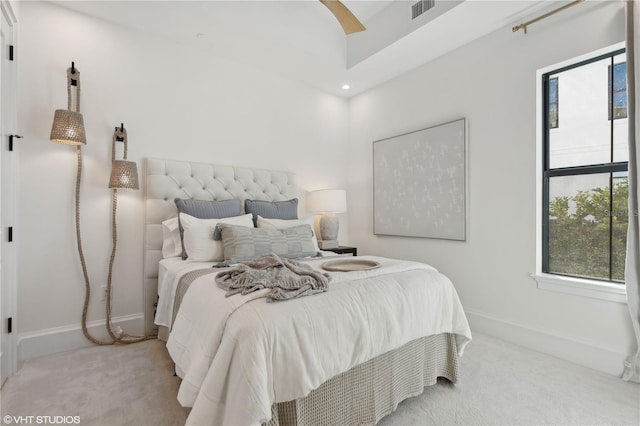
column 343, row 250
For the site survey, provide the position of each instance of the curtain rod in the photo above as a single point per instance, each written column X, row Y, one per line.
column 546, row 15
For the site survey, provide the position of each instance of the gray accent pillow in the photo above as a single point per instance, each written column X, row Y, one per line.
column 240, row 243
column 206, row 209
column 272, row 209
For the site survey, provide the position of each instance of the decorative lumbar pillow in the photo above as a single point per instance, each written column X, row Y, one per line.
column 206, row 209
column 284, row 224
column 171, row 244
column 198, row 236
column 272, row 209
column 241, row 244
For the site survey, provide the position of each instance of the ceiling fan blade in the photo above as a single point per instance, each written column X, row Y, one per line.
column 349, row 22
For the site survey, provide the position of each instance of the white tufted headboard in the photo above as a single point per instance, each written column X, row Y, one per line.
column 167, row 180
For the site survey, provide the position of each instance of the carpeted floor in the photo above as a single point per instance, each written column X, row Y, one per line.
column 500, row 384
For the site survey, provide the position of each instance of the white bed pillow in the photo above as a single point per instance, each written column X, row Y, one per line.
column 198, row 236
column 171, row 244
column 289, row 223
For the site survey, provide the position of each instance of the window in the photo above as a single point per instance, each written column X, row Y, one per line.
column 585, row 178
column 618, row 90
column 553, row 103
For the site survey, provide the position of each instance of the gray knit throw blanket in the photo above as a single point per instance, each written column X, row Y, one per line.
column 286, row 278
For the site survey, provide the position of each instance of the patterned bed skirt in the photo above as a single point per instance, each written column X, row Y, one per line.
column 369, row 391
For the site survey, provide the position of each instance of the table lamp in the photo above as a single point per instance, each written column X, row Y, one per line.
column 328, row 202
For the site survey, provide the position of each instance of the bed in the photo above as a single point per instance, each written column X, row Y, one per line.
column 345, row 356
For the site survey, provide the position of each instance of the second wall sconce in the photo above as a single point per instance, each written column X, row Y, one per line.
column 124, row 174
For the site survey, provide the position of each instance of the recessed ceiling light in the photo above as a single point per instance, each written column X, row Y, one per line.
column 346, row 87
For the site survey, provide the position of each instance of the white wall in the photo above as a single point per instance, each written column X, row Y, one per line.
column 175, row 103
column 492, row 82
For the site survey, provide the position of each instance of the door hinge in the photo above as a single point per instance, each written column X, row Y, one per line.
column 11, row 138
column 11, row 52
column 9, row 325
column 11, row 234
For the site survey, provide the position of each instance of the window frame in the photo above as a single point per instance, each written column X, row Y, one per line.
column 548, row 173
column 592, row 288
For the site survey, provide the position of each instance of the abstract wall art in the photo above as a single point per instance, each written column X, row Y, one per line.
column 420, row 183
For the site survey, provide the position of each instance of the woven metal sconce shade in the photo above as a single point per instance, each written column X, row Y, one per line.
column 68, row 128
column 124, row 175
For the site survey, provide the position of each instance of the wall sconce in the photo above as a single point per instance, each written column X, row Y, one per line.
column 328, row 202
column 124, row 174
column 68, row 124
column 68, row 128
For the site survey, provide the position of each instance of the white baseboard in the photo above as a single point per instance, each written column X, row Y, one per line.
column 35, row 344
column 588, row 354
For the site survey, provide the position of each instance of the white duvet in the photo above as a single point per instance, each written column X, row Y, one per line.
column 239, row 355
column 169, row 273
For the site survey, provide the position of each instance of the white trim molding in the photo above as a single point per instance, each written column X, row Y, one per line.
column 10, row 9
column 572, row 349
column 582, row 287
column 35, row 344
column 9, row 274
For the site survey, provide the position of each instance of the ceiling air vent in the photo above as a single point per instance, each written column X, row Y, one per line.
column 421, row 7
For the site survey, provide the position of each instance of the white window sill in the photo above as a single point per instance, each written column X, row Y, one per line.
column 582, row 287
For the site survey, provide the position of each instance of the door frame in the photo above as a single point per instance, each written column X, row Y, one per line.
column 9, row 265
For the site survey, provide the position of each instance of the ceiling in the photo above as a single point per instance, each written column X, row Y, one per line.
column 301, row 40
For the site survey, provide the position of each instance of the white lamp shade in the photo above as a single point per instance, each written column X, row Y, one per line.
column 327, row 201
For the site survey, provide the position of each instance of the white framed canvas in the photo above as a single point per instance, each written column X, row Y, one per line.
column 420, row 183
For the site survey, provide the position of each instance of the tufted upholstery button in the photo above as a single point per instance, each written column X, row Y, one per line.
column 165, row 198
